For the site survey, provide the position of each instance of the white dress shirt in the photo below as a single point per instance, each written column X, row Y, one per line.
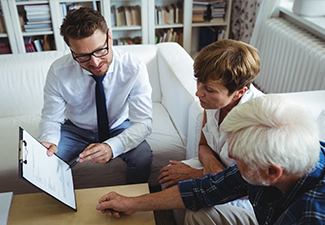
column 217, row 139
column 69, row 93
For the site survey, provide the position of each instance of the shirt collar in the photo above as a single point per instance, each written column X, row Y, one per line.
column 246, row 96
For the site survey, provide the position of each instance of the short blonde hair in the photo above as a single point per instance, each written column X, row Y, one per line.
column 231, row 63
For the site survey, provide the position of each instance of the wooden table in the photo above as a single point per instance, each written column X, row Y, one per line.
column 40, row 209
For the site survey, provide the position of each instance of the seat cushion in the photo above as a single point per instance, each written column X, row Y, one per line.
column 164, row 141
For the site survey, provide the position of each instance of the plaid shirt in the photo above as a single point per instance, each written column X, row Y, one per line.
column 302, row 204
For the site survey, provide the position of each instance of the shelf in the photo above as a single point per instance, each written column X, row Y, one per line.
column 74, row 1
column 147, row 30
column 315, row 25
column 27, row 34
column 163, row 26
column 3, row 35
column 120, row 28
column 208, row 24
column 32, row 2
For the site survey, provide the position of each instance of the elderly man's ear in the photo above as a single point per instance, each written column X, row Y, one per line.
column 273, row 173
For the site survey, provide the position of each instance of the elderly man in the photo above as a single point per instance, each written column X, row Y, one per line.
column 280, row 165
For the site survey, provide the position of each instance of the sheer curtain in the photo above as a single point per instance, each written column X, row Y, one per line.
column 267, row 9
column 243, row 15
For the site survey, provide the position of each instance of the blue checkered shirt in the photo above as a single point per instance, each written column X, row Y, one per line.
column 302, row 204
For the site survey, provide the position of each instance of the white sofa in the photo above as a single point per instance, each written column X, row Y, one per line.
column 177, row 115
column 22, row 80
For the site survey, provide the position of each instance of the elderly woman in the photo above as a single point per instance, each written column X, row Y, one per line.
column 224, row 71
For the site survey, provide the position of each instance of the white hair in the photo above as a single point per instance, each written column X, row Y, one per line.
column 272, row 129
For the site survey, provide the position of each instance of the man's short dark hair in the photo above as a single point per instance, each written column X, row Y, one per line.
column 81, row 23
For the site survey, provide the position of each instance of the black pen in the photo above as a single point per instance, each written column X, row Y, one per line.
column 74, row 163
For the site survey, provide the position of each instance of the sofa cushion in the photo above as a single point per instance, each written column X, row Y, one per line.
column 164, row 141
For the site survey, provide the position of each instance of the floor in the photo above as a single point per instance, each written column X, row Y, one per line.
column 163, row 217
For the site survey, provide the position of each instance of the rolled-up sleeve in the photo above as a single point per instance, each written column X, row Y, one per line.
column 211, row 190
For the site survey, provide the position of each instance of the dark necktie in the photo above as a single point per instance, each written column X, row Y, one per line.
column 102, row 118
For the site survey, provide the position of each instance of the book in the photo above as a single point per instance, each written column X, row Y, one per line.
column 38, row 22
column 36, row 9
column 133, row 15
column 197, row 18
column 39, row 12
column 171, row 14
column 200, row 2
column 2, row 25
column 221, row 34
column 166, row 14
column 40, row 17
column 180, row 39
column 127, row 41
column 37, row 26
column 4, row 48
column 118, row 18
column 138, row 15
column 113, row 15
column 207, row 36
column 169, row 35
column 176, row 12
column 121, row 15
column 159, row 35
column 174, row 37
column 156, row 15
column 180, row 14
column 38, row 45
column 63, row 10
column 47, row 43
column 30, row 47
column 216, row 19
column 199, row 12
column 127, row 16
column 160, row 15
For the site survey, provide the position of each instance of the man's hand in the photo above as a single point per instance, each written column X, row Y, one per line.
column 213, row 167
column 97, row 153
column 51, row 148
column 114, row 204
column 208, row 158
column 176, row 172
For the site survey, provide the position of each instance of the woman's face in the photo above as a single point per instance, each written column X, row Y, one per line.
column 214, row 95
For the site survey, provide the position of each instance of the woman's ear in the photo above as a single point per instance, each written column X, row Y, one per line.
column 240, row 93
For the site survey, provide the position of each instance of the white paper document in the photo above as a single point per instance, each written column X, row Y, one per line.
column 5, row 202
column 50, row 174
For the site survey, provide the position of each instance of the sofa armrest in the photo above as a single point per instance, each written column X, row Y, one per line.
column 195, row 120
column 314, row 101
column 178, row 87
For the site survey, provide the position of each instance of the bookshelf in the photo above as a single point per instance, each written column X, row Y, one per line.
column 58, row 12
column 7, row 36
column 146, row 29
column 193, row 45
column 25, row 36
column 159, row 26
column 135, row 29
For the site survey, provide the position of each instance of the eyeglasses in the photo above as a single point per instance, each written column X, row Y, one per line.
column 98, row 53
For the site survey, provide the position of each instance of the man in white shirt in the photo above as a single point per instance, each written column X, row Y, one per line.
column 69, row 125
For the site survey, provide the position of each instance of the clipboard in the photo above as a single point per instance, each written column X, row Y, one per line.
column 49, row 174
